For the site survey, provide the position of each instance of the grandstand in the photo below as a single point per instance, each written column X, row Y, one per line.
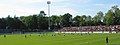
column 91, row 29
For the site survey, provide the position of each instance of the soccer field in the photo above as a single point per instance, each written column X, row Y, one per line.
column 59, row 39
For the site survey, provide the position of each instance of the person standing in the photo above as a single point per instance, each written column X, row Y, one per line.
column 107, row 41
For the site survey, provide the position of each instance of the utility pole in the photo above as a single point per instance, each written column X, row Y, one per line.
column 49, row 2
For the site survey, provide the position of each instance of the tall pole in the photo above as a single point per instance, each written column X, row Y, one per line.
column 49, row 2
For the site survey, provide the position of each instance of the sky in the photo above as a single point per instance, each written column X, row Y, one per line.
column 58, row 7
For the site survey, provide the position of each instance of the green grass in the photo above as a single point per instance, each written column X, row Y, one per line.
column 59, row 39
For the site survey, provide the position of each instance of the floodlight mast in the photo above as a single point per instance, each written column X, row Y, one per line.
column 49, row 2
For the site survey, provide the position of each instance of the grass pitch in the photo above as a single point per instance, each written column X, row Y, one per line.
column 59, row 39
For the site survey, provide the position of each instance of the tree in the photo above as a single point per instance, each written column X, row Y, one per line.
column 42, row 13
column 109, row 18
column 9, row 22
column 27, row 21
column 18, row 24
column 116, row 12
column 76, row 20
column 100, row 16
column 88, row 20
column 55, row 20
column 42, row 21
column 66, row 20
column 34, row 22
column 98, row 19
column 2, row 23
column 83, row 20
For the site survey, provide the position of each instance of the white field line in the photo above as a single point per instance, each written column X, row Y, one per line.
column 88, row 32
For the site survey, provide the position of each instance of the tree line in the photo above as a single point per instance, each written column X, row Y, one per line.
column 40, row 21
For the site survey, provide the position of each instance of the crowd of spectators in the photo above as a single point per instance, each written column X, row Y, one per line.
column 112, row 28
